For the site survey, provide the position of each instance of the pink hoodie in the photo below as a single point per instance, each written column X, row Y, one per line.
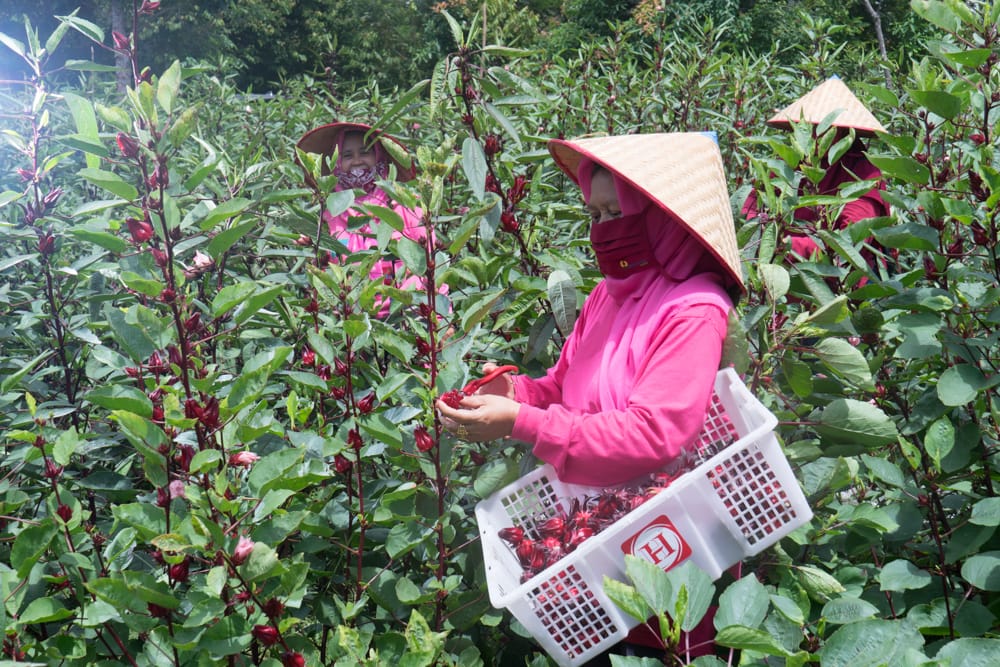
column 635, row 376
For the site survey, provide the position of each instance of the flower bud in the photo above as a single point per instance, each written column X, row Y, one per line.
column 179, row 571
column 424, row 440
column 65, row 512
column 140, row 230
column 242, row 551
column 354, row 439
column 308, row 357
column 127, row 145
column 122, row 43
column 273, row 608
column 342, row 464
column 52, row 471
column 292, row 659
column 243, row 459
column 367, row 403
column 266, row 634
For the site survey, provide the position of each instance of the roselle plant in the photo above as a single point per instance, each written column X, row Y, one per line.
column 217, row 449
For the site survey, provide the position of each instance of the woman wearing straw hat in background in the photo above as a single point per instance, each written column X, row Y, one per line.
column 362, row 159
column 813, row 107
column 631, row 387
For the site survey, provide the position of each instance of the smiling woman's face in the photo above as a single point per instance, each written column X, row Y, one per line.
column 603, row 204
column 353, row 153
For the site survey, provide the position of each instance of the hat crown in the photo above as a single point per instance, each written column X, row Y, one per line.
column 681, row 172
column 832, row 95
column 325, row 138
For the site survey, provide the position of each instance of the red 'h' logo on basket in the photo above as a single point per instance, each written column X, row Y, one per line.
column 659, row 542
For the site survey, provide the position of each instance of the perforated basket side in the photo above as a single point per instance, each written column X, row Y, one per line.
column 568, row 616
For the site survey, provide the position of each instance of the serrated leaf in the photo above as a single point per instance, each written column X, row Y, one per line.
column 750, row 639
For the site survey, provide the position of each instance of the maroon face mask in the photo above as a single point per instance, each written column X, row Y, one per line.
column 621, row 246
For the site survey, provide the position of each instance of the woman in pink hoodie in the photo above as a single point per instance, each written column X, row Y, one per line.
column 632, row 384
column 363, row 159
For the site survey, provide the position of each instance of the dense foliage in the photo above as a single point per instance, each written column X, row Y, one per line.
column 216, row 451
column 344, row 42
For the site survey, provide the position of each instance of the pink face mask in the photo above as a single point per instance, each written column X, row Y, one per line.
column 360, row 177
column 622, row 246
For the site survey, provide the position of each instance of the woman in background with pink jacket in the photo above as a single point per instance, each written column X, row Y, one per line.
column 631, row 387
column 362, row 159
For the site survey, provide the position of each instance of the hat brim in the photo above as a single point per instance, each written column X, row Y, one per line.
column 324, row 140
column 681, row 172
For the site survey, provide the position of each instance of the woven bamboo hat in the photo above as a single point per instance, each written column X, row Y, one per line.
column 829, row 96
column 324, row 139
column 681, row 172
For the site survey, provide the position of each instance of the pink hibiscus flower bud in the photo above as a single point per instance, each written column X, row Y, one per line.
column 242, row 551
column 179, row 571
column 52, row 471
column 354, row 439
column 243, row 459
column 308, row 357
column 342, row 464
column 122, row 43
column 65, row 512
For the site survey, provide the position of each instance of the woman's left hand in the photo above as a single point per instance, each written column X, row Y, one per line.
column 480, row 417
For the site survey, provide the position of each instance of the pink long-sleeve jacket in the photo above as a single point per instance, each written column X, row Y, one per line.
column 633, row 381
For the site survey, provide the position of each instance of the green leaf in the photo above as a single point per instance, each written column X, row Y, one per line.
column 627, row 598
column 846, row 361
column 29, row 545
column 870, row 642
column 939, row 440
column 168, row 86
column 262, row 562
column 820, row 585
column 960, row 384
column 983, row 571
column 227, row 209
column 562, row 296
column 111, row 182
column 271, row 501
column 231, row 296
column 474, row 166
column 776, row 280
column 256, row 302
column 904, row 168
column 479, row 306
column 846, row 420
column 105, row 240
column 90, row 30
column 750, row 639
column 43, row 610
column 700, row 591
column 404, row 537
column 225, row 239
column 848, row 610
column 652, row 583
column 910, row 236
column 65, row 445
column 744, row 602
column 121, row 397
column 494, row 474
column 141, row 284
column 86, row 125
column 902, row 575
column 939, row 102
column 970, row 652
column 986, row 512
column 833, row 312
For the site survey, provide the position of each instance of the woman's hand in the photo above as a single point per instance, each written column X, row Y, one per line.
column 480, row 417
column 502, row 385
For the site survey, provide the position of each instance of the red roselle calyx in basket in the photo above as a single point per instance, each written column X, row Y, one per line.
column 453, row 397
column 585, row 517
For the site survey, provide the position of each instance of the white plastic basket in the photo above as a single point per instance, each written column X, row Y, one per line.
column 742, row 498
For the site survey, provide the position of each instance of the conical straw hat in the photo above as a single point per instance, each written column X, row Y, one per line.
column 680, row 171
column 829, row 96
column 325, row 138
